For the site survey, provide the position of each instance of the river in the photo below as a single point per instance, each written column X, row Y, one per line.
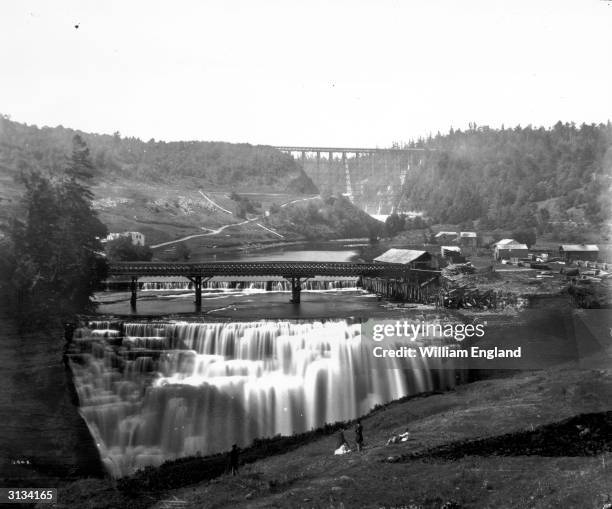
column 163, row 381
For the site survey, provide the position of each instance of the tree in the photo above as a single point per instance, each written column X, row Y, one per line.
column 81, row 167
column 122, row 249
column 395, row 224
column 525, row 237
column 55, row 248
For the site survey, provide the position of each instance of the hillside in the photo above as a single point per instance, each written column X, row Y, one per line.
column 515, row 178
column 220, row 165
column 509, row 421
column 324, row 218
column 215, row 190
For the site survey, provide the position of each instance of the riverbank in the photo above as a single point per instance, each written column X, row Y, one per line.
column 44, row 440
column 509, row 407
column 311, row 476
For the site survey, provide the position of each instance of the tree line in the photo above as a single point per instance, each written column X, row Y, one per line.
column 523, row 177
column 219, row 164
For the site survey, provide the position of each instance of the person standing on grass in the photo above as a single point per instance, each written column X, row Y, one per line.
column 341, row 440
column 233, row 456
column 359, row 435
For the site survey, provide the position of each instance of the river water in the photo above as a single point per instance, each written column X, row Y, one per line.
column 164, row 382
column 152, row 391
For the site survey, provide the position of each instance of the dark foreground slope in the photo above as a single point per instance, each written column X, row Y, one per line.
column 43, row 439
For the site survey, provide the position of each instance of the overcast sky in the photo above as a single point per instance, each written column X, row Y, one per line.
column 310, row 72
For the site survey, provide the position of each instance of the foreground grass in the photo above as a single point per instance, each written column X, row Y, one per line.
column 311, row 476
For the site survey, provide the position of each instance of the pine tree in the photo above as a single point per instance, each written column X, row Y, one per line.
column 55, row 243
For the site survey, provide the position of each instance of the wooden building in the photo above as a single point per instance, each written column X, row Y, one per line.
column 446, row 237
column 509, row 248
column 468, row 239
column 415, row 259
column 584, row 252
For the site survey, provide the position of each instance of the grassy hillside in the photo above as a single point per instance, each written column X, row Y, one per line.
column 532, row 406
column 324, row 219
column 136, row 174
column 217, row 193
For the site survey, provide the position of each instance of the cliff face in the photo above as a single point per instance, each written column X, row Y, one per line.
column 43, row 436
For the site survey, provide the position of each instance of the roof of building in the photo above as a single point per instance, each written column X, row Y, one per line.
column 439, row 234
column 579, row 247
column 468, row 234
column 451, row 248
column 400, row 256
column 510, row 244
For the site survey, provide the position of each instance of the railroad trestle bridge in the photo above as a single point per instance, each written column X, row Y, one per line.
column 296, row 273
column 349, row 170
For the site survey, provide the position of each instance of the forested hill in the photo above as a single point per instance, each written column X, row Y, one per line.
column 519, row 177
column 215, row 165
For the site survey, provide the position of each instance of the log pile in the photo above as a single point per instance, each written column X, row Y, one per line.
column 457, row 269
column 471, row 297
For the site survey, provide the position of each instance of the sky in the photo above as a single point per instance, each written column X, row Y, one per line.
column 284, row 72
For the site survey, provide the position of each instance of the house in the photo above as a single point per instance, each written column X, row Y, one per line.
column 445, row 237
column 509, row 248
column 585, row 252
column 138, row 239
column 469, row 239
column 411, row 257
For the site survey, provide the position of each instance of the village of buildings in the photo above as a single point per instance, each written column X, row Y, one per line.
column 478, row 271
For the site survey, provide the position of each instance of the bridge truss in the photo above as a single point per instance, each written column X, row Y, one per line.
column 296, row 272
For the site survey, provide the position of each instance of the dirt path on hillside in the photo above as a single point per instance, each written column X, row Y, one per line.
column 229, row 225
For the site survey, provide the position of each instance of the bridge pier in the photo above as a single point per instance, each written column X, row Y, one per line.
column 197, row 286
column 134, row 292
column 296, row 288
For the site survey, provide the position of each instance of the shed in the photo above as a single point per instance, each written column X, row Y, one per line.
column 414, row 258
column 510, row 248
column 586, row 252
column 468, row 239
column 446, row 237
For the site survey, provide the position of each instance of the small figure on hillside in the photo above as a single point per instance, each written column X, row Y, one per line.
column 402, row 437
column 342, row 445
column 359, row 435
column 341, row 440
column 233, row 459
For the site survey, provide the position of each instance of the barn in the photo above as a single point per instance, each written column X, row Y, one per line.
column 414, row 258
column 509, row 248
column 584, row 252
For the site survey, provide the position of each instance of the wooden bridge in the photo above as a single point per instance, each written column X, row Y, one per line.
column 296, row 272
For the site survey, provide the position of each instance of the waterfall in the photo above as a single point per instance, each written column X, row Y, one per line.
column 213, row 287
column 154, row 391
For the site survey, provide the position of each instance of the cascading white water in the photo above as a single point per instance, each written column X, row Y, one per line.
column 226, row 286
column 155, row 391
